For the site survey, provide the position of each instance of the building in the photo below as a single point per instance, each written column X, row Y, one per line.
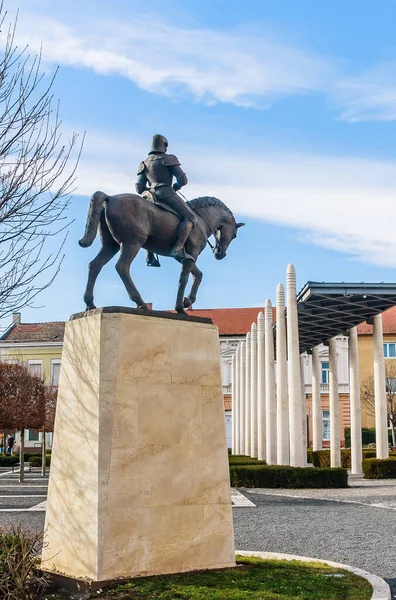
column 40, row 346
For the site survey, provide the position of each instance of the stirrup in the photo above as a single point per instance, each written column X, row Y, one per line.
column 181, row 255
column 153, row 263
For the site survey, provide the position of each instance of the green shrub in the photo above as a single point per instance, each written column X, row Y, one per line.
column 379, row 468
column 368, row 436
column 321, row 458
column 240, row 459
column 309, row 455
column 8, row 461
column 274, row 476
column 36, row 461
column 20, row 552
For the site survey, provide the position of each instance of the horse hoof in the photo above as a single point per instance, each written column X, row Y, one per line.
column 143, row 307
column 180, row 310
column 90, row 307
column 187, row 303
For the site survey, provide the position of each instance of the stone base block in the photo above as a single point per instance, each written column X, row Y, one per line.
column 139, row 481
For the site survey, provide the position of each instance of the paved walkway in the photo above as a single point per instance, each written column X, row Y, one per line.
column 356, row 526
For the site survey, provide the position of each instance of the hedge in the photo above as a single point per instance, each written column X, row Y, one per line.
column 36, row 461
column 321, row 458
column 240, row 459
column 368, row 436
column 379, row 468
column 274, row 476
column 8, row 461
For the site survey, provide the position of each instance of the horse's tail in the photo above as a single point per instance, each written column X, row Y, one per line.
column 95, row 208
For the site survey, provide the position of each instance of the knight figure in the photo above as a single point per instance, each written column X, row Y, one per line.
column 155, row 175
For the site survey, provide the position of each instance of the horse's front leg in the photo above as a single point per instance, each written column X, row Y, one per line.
column 197, row 275
column 186, row 268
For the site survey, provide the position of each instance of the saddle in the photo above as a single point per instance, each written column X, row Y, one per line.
column 151, row 197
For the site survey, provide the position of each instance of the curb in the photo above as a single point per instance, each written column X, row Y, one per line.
column 381, row 590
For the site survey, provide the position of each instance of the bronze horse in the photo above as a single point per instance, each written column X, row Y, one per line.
column 128, row 222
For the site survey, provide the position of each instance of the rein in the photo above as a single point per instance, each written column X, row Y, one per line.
column 211, row 246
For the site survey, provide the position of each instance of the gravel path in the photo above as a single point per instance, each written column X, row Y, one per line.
column 356, row 526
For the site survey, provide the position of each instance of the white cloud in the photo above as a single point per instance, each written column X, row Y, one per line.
column 239, row 67
column 243, row 67
column 345, row 204
column 370, row 96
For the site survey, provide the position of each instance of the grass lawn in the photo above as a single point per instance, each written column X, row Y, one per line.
column 253, row 579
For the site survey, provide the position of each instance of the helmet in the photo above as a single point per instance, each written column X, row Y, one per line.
column 159, row 143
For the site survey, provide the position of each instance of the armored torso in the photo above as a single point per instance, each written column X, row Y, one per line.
column 157, row 169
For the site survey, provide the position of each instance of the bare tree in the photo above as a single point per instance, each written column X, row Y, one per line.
column 22, row 402
column 51, row 394
column 36, row 178
column 368, row 396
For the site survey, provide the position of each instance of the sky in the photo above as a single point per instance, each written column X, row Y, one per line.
column 286, row 111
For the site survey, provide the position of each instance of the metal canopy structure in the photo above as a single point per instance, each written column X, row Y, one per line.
column 329, row 309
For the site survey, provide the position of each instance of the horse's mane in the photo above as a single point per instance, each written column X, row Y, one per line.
column 207, row 201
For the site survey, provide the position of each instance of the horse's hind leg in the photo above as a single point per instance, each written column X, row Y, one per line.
column 197, row 278
column 105, row 254
column 128, row 253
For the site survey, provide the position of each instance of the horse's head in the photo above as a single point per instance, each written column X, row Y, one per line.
column 219, row 220
column 225, row 233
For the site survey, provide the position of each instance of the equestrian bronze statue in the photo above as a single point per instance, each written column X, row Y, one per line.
column 158, row 221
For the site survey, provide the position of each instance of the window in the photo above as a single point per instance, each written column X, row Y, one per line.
column 325, row 373
column 226, row 372
column 35, row 367
column 390, row 350
column 33, row 435
column 390, row 384
column 55, row 371
column 326, row 425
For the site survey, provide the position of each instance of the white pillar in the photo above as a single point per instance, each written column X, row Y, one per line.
column 354, row 395
column 253, row 391
column 282, row 399
column 303, row 406
column 233, row 404
column 242, row 373
column 317, row 426
column 261, row 445
column 270, row 411
column 335, row 443
column 297, row 450
column 238, row 401
column 247, row 396
column 381, row 416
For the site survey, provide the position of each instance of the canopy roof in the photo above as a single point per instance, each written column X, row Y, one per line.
column 329, row 309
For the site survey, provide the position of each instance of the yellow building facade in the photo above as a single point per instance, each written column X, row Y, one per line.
column 366, row 354
column 39, row 345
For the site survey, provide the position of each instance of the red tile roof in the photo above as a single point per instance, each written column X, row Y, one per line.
column 388, row 323
column 35, row 332
column 231, row 321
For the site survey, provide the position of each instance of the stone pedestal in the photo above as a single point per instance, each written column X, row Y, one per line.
column 139, row 481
